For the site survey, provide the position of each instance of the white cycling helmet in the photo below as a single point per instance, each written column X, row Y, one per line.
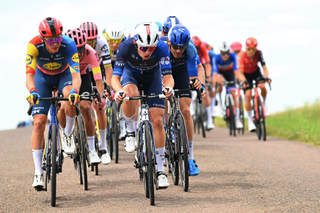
column 113, row 31
column 224, row 47
column 146, row 34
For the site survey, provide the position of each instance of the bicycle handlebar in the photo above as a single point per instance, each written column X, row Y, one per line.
column 35, row 97
column 144, row 96
column 197, row 90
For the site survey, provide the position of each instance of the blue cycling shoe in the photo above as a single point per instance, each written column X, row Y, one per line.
column 193, row 168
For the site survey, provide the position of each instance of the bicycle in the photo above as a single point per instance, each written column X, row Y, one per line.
column 258, row 109
column 53, row 157
column 145, row 157
column 113, row 128
column 199, row 117
column 229, row 115
column 177, row 143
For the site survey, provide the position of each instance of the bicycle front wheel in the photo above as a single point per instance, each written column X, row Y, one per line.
column 182, row 149
column 53, row 165
column 82, row 137
column 201, row 119
column 232, row 127
column 115, row 131
column 241, row 114
column 262, row 122
column 150, row 167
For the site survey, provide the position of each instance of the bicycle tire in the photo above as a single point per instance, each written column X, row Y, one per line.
column 115, row 132
column 172, row 159
column 182, row 151
column 77, row 152
column 53, row 165
column 109, row 131
column 256, row 120
column 232, row 128
column 262, row 121
column 83, row 151
column 96, row 143
column 241, row 115
column 150, row 162
column 201, row 120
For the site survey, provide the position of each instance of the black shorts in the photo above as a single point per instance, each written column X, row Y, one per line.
column 229, row 76
column 256, row 75
column 86, row 87
column 181, row 80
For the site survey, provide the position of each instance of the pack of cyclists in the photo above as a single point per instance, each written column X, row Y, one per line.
column 160, row 58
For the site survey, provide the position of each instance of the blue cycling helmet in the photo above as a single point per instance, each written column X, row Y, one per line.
column 179, row 35
column 159, row 25
column 169, row 22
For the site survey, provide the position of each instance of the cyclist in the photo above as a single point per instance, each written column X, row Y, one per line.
column 205, row 60
column 87, row 55
column 52, row 61
column 100, row 45
column 212, row 92
column 249, row 71
column 138, row 61
column 226, row 64
column 183, row 57
column 169, row 22
column 114, row 33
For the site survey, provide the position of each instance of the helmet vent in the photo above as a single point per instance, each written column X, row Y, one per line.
column 148, row 39
column 181, row 39
column 156, row 38
column 175, row 38
column 186, row 39
column 140, row 38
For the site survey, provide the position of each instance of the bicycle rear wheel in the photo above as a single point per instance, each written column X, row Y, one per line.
column 96, row 143
column 173, row 163
column 232, row 125
column 115, row 132
column 182, row 149
column 149, row 160
column 256, row 120
column 53, row 165
column 262, row 123
column 201, row 120
column 82, row 137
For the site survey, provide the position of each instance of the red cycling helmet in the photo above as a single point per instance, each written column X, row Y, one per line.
column 90, row 29
column 50, row 27
column 79, row 36
column 236, row 46
column 196, row 40
column 251, row 42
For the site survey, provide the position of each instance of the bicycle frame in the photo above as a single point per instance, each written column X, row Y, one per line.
column 255, row 99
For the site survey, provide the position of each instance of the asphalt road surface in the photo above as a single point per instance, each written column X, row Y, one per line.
column 237, row 174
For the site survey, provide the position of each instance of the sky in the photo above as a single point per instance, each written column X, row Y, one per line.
column 288, row 34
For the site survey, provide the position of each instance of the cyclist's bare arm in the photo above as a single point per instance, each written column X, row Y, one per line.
column 76, row 80
column 208, row 69
column 30, row 81
column 201, row 73
column 108, row 71
column 115, row 83
column 168, row 81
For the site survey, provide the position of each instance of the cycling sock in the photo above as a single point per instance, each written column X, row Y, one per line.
column 213, row 102
column 237, row 113
column 103, row 136
column 160, row 159
column 91, row 142
column 249, row 114
column 129, row 123
column 264, row 101
column 190, row 155
column 209, row 114
column 37, row 159
column 69, row 124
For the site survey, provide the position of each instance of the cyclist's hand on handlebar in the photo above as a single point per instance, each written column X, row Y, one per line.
column 120, row 95
column 244, row 84
column 34, row 97
column 74, row 97
column 168, row 91
column 195, row 84
column 269, row 80
column 203, row 90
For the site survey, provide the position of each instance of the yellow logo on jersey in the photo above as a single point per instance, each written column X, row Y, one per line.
column 52, row 66
column 75, row 58
column 29, row 59
column 76, row 67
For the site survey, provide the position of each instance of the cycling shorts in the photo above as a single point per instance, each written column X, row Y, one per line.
column 256, row 75
column 181, row 80
column 44, row 84
column 86, row 87
column 229, row 76
column 152, row 84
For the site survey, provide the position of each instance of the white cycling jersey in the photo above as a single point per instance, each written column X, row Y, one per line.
column 103, row 52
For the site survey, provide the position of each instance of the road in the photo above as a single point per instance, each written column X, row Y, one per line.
column 237, row 174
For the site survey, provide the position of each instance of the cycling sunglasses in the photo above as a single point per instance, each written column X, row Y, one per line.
column 144, row 49
column 225, row 53
column 81, row 49
column 117, row 41
column 175, row 47
column 51, row 42
column 251, row 48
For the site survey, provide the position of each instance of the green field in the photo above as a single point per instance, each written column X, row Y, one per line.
column 301, row 124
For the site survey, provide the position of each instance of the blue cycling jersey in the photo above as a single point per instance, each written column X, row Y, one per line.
column 127, row 56
column 219, row 65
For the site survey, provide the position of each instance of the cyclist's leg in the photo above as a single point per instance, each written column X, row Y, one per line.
column 219, row 91
column 130, row 108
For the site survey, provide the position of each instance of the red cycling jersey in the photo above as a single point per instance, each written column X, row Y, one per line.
column 203, row 53
column 250, row 66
